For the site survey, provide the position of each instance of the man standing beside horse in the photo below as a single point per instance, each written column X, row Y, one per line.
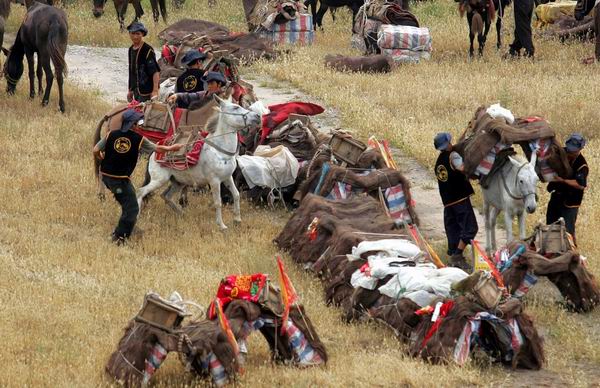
column 567, row 194
column 459, row 219
column 118, row 153
column 144, row 72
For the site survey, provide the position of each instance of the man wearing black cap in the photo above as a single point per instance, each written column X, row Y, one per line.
column 215, row 84
column 144, row 72
column 459, row 219
column 118, row 153
column 191, row 79
column 567, row 194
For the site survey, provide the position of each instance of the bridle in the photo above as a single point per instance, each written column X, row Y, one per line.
column 523, row 195
column 237, row 148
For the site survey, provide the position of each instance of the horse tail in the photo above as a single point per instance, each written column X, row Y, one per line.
column 57, row 44
column 477, row 23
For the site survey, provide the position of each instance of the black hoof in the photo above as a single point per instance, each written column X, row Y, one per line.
column 44, row 102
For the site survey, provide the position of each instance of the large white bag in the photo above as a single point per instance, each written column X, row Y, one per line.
column 269, row 167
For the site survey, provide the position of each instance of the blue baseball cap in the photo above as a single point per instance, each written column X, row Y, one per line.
column 193, row 55
column 575, row 142
column 130, row 117
column 215, row 76
column 441, row 141
column 137, row 27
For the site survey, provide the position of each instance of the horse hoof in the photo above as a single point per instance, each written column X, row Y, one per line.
column 223, row 229
column 44, row 102
column 61, row 109
column 31, row 96
column 237, row 222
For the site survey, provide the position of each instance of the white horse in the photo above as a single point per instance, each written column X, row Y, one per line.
column 216, row 165
column 512, row 189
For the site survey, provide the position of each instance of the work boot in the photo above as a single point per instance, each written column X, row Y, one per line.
column 457, row 260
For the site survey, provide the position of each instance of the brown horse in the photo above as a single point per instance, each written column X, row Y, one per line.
column 159, row 8
column 45, row 32
column 4, row 12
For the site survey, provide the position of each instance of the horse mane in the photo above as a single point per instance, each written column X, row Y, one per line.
column 213, row 122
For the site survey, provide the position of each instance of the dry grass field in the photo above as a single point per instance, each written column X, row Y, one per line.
column 66, row 291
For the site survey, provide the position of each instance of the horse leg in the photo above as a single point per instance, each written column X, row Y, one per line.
column 508, row 217
column 44, row 59
column 320, row 13
column 499, row 29
column 183, row 197
column 230, row 184
column 158, row 177
column 522, row 227
column 60, row 83
column 121, row 9
column 40, row 75
column 167, row 196
column 488, row 226
column 493, row 218
column 471, row 34
column 215, row 188
column 481, row 38
column 155, row 12
column 31, row 69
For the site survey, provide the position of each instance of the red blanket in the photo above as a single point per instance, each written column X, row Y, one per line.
column 280, row 112
column 244, row 287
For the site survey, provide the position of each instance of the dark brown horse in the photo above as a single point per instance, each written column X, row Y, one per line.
column 4, row 12
column 159, row 8
column 45, row 32
column 480, row 15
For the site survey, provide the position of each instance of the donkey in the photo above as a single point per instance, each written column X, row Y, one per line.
column 512, row 189
column 480, row 14
column 159, row 8
column 216, row 165
column 45, row 32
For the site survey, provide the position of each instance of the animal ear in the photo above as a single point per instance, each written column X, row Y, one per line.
column 513, row 161
column 533, row 158
column 218, row 99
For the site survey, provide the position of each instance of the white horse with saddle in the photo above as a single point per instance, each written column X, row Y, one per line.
column 216, row 165
column 512, row 189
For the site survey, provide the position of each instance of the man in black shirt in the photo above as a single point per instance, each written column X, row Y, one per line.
column 144, row 72
column 215, row 84
column 523, row 13
column 118, row 153
column 567, row 194
column 191, row 79
column 459, row 219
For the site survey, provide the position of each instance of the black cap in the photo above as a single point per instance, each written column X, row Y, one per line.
column 137, row 27
column 193, row 55
column 130, row 117
column 215, row 76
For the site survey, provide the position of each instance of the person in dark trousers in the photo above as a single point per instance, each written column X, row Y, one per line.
column 523, row 39
column 118, row 153
column 215, row 84
column 191, row 79
column 583, row 8
column 567, row 194
column 144, row 72
column 459, row 219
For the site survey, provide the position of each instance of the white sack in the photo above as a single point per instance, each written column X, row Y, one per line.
column 269, row 167
column 392, row 248
column 497, row 111
column 167, row 87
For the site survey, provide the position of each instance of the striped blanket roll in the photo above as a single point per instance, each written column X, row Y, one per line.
column 406, row 56
column 404, row 37
column 290, row 37
column 303, row 22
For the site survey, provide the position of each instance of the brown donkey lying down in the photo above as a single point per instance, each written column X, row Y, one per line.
column 370, row 64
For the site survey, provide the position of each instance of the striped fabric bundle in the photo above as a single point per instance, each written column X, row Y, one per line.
column 290, row 37
column 340, row 191
column 305, row 354
column 486, row 164
column 303, row 22
column 157, row 356
column 404, row 37
column 543, row 153
column 528, row 281
column 396, row 203
column 406, row 56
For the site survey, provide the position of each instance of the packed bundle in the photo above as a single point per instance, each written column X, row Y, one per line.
column 454, row 327
column 369, row 64
column 298, row 31
column 494, row 130
column 567, row 27
column 404, row 44
column 550, row 13
column 372, row 15
column 280, row 21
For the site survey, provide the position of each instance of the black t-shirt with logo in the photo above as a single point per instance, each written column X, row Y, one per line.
column 190, row 81
column 454, row 185
column 121, row 153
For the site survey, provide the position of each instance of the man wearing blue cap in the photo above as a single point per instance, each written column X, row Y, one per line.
column 118, row 153
column 191, row 79
column 567, row 194
column 144, row 72
column 215, row 84
column 459, row 219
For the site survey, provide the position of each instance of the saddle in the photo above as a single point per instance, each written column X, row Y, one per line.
column 501, row 160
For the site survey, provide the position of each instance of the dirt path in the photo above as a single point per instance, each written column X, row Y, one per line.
column 105, row 69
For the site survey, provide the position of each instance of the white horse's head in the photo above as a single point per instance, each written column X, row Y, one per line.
column 526, row 180
column 235, row 117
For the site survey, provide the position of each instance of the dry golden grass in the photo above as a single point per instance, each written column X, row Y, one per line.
column 67, row 291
